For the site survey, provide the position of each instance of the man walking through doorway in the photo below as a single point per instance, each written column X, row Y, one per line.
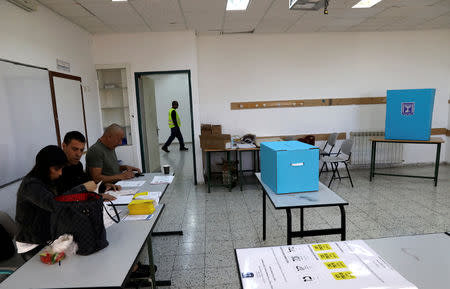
column 175, row 132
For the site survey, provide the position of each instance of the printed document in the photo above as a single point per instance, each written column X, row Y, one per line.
column 159, row 180
column 125, row 184
column 346, row 264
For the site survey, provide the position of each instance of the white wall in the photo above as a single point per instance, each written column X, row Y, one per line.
column 39, row 38
column 322, row 65
column 169, row 87
column 147, row 52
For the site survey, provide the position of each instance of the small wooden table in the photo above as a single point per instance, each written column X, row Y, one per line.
column 434, row 140
column 208, row 151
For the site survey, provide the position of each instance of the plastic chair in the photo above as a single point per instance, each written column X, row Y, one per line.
column 8, row 267
column 331, row 142
column 343, row 156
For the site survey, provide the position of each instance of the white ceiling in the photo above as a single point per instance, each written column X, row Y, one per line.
column 262, row 16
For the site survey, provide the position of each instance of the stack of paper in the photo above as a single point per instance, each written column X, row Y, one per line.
column 137, row 217
column 159, row 180
column 125, row 184
column 150, row 196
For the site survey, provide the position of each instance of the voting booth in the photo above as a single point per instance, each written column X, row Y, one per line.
column 290, row 166
column 409, row 113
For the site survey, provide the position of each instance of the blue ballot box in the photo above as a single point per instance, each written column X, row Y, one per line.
column 290, row 166
column 409, row 113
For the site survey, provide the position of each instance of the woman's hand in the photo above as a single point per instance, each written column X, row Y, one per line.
column 90, row 186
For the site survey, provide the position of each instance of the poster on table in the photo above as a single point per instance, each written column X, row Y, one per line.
column 348, row 264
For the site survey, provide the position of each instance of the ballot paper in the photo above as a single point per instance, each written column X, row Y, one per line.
column 346, row 264
column 107, row 219
column 123, row 200
column 158, row 180
column 125, row 184
column 123, row 192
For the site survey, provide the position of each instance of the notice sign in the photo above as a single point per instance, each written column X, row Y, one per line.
column 347, row 264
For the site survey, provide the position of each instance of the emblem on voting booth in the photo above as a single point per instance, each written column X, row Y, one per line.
column 408, row 108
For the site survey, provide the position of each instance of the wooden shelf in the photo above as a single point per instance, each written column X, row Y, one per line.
column 307, row 103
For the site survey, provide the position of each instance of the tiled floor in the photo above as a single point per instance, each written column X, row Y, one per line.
column 216, row 223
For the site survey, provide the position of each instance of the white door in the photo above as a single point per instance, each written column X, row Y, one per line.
column 149, row 122
column 69, row 105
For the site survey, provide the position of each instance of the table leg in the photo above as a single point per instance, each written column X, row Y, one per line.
column 372, row 159
column 289, row 226
column 343, row 224
column 264, row 213
column 240, row 177
column 301, row 220
column 151, row 262
column 208, row 164
column 436, row 165
column 254, row 161
column 229, row 171
column 258, row 161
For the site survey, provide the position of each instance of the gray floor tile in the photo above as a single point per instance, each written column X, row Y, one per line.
column 188, row 278
column 221, row 275
column 191, row 248
column 187, row 262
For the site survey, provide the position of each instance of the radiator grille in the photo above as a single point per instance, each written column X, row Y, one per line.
column 387, row 153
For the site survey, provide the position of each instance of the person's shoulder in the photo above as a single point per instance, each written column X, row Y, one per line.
column 95, row 148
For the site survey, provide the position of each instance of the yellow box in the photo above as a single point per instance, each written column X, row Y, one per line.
column 141, row 207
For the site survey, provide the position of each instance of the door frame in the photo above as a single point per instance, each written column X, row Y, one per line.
column 137, row 75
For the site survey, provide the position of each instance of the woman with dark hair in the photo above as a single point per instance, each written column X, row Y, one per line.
column 35, row 200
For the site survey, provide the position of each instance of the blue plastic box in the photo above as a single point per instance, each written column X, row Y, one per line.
column 290, row 166
column 409, row 113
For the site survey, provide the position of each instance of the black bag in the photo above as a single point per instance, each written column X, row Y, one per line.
column 7, row 249
column 81, row 215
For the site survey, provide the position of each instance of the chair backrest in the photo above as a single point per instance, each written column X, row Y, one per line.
column 346, row 147
column 332, row 139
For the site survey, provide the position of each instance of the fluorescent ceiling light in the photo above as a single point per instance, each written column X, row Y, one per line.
column 366, row 3
column 237, row 4
column 119, row 0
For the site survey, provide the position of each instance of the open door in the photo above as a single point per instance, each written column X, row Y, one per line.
column 149, row 124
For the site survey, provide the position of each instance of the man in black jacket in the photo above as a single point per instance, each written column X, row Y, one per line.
column 175, row 132
column 73, row 173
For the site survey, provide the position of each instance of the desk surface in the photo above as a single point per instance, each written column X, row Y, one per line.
column 106, row 268
column 423, row 260
column 322, row 198
column 433, row 140
column 230, row 150
column 147, row 187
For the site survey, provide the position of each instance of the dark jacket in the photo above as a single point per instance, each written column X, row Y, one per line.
column 34, row 206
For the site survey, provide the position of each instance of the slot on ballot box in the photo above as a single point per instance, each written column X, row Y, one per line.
column 290, row 166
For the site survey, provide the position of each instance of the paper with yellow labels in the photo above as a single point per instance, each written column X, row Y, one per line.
column 346, row 264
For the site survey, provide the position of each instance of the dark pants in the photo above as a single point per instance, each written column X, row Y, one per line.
column 175, row 132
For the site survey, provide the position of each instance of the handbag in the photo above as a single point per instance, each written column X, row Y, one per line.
column 81, row 215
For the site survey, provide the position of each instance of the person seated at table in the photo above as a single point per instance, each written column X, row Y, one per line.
column 35, row 201
column 73, row 173
column 101, row 158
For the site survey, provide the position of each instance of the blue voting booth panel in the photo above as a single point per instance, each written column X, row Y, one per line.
column 409, row 113
column 290, row 166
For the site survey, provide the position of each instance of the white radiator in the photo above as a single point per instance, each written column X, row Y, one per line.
column 387, row 153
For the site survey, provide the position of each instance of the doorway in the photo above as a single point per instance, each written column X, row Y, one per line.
column 155, row 92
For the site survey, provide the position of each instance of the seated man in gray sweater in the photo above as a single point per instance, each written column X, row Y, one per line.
column 101, row 158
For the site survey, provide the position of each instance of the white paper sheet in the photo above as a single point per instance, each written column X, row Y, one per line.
column 125, row 184
column 158, row 180
column 347, row 264
column 123, row 200
column 245, row 145
column 129, row 192
column 107, row 220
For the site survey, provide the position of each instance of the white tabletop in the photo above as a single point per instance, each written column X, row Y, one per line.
column 322, row 198
column 423, row 260
column 108, row 267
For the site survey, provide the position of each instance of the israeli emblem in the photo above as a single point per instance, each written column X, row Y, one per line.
column 408, row 108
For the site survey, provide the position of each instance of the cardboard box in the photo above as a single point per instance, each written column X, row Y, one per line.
column 214, row 141
column 216, row 129
column 409, row 113
column 290, row 166
column 205, row 129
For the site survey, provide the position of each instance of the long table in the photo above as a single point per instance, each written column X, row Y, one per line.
column 324, row 197
column 107, row 268
column 423, row 260
column 434, row 140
